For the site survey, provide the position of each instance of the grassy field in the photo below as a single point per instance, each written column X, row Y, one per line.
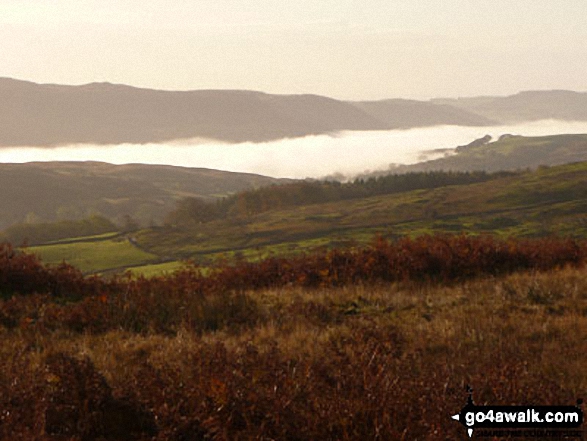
column 157, row 269
column 93, row 256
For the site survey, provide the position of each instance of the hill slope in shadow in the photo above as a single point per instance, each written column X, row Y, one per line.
column 45, row 191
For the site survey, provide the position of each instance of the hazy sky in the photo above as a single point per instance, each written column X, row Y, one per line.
column 347, row 49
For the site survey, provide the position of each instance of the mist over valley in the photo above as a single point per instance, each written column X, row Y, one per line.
column 346, row 153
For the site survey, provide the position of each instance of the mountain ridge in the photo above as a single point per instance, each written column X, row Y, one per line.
column 46, row 115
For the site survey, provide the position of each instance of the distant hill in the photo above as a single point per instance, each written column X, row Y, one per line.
column 507, row 153
column 46, row 191
column 403, row 114
column 525, row 106
column 102, row 113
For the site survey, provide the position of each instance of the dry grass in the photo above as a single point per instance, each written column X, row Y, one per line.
column 383, row 361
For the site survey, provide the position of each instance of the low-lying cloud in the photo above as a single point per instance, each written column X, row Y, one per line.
column 348, row 153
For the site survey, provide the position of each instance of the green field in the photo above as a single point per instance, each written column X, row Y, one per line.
column 93, row 256
column 157, row 269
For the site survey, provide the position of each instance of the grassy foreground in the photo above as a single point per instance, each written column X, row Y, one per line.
column 234, row 355
column 364, row 362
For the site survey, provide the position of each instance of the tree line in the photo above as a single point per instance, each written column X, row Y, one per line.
column 192, row 210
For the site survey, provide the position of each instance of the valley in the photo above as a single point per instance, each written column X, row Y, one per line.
column 542, row 202
column 293, row 221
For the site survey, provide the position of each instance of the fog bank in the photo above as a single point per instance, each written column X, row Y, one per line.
column 348, row 153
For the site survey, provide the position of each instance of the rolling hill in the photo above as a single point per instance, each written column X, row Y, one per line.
column 102, row 113
column 45, row 191
column 525, row 106
column 404, row 114
column 534, row 203
column 550, row 200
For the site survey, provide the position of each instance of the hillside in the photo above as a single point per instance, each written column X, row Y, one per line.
column 45, row 191
column 524, row 204
column 404, row 114
column 47, row 115
column 546, row 201
column 507, row 153
column 525, row 106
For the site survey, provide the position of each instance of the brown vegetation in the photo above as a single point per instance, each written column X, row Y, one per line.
column 376, row 343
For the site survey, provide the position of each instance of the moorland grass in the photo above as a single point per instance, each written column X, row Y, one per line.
column 383, row 361
column 211, row 357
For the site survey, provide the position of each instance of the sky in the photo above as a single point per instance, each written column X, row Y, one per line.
column 345, row 49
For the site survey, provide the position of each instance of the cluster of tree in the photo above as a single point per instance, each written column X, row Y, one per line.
column 192, row 210
column 35, row 233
